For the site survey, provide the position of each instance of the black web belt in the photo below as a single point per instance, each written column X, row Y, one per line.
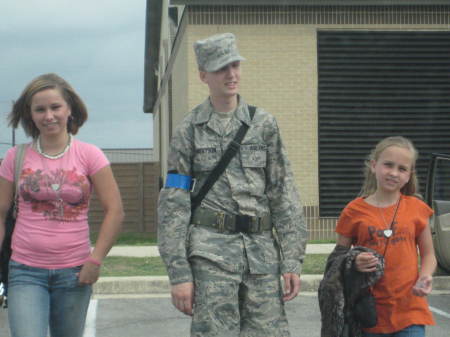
column 224, row 222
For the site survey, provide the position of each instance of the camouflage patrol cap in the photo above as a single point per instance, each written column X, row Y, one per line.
column 216, row 51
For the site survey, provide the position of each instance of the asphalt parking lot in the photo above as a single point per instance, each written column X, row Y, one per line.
column 153, row 315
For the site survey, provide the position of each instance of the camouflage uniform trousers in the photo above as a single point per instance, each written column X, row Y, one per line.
column 236, row 304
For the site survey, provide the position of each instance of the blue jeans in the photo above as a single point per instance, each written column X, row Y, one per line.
column 39, row 298
column 410, row 331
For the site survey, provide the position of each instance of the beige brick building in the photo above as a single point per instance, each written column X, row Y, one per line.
column 282, row 72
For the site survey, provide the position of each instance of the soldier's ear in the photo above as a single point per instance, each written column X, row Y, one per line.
column 202, row 74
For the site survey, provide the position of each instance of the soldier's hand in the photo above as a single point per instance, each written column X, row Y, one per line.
column 291, row 286
column 183, row 297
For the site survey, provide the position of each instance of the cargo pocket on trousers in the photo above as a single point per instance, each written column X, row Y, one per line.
column 222, row 304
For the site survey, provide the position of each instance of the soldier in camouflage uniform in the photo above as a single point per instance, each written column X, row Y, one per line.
column 228, row 276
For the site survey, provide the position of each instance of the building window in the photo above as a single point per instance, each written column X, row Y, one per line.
column 374, row 84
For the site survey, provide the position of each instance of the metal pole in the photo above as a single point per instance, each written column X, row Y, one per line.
column 13, row 129
column 154, row 15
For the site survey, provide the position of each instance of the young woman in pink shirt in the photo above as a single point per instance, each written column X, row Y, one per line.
column 53, row 267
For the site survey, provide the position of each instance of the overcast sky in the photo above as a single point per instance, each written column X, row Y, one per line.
column 97, row 46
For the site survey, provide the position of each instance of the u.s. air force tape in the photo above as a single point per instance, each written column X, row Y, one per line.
column 179, row 181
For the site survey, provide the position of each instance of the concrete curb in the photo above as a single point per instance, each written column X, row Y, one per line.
column 160, row 284
column 441, row 283
column 145, row 251
column 132, row 285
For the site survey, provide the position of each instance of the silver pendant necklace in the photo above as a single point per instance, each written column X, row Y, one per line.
column 388, row 231
column 49, row 156
column 55, row 185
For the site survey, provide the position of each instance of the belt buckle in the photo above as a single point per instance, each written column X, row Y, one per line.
column 221, row 221
column 256, row 225
column 193, row 183
column 243, row 224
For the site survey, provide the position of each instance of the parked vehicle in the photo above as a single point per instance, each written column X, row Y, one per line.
column 438, row 197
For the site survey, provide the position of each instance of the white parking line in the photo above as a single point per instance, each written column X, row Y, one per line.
column 440, row 312
column 91, row 318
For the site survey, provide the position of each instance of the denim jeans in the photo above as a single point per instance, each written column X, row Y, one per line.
column 410, row 331
column 42, row 298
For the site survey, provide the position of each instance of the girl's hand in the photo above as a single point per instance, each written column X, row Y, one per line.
column 366, row 262
column 423, row 286
column 89, row 273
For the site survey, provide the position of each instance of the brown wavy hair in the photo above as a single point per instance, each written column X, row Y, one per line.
column 21, row 111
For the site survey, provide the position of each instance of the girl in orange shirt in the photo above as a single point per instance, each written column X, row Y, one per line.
column 390, row 181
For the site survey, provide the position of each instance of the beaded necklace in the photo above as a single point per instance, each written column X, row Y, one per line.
column 56, row 156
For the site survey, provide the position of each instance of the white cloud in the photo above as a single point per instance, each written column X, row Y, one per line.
column 60, row 16
column 97, row 46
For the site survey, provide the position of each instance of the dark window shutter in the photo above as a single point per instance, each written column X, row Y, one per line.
column 374, row 84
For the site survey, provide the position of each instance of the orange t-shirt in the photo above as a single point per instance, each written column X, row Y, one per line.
column 397, row 307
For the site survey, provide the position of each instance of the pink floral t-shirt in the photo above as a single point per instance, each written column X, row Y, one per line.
column 52, row 229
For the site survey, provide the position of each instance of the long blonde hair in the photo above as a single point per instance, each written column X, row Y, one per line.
column 370, row 182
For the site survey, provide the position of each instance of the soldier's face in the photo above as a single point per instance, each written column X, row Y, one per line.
column 223, row 82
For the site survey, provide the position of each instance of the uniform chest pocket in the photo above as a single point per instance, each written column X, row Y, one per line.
column 205, row 159
column 253, row 155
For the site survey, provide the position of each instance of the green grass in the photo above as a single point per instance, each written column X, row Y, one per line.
column 133, row 266
column 322, row 241
column 314, row 264
column 132, row 239
column 153, row 266
column 146, row 239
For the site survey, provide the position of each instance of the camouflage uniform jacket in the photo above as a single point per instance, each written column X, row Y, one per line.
column 257, row 182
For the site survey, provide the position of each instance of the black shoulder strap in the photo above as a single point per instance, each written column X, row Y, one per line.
column 230, row 152
column 18, row 163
